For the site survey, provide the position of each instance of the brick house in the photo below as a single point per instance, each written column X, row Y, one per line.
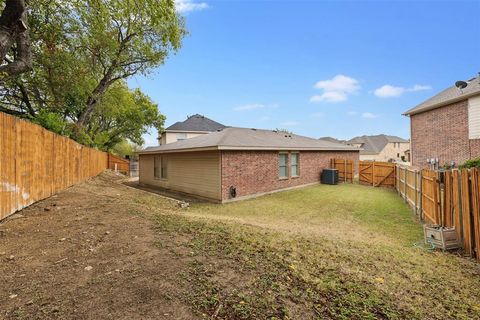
column 447, row 126
column 237, row 163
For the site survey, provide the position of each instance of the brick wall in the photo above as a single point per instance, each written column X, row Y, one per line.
column 253, row 172
column 474, row 148
column 441, row 133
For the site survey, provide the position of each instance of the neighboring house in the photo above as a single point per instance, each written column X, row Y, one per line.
column 192, row 127
column 236, row 163
column 330, row 139
column 381, row 148
column 447, row 126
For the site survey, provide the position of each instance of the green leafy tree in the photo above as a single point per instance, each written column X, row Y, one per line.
column 83, row 51
column 123, row 114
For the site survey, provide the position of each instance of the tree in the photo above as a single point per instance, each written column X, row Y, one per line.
column 123, row 114
column 14, row 33
column 83, row 52
column 126, row 37
column 126, row 148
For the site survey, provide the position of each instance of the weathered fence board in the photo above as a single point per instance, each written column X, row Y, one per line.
column 409, row 185
column 345, row 167
column 36, row 163
column 377, row 174
column 119, row 164
column 449, row 198
column 430, row 197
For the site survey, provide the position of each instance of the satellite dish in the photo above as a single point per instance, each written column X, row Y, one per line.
column 461, row 84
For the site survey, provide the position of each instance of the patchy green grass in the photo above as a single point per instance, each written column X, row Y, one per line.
column 323, row 252
column 345, row 212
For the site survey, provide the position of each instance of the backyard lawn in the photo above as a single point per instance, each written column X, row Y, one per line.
column 346, row 251
column 104, row 250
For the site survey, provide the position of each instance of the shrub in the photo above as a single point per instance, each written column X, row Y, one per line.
column 472, row 163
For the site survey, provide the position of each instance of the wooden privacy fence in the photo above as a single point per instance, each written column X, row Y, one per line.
column 345, row 167
column 450, row 199
column 408, row 184
column 118, row 164
column 36, row 163
column 377, row 174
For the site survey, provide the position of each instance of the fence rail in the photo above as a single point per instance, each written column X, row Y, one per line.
column 119, row 164
column 448, row 198
column 377, row 174
column 36, row 163
column 345, row 167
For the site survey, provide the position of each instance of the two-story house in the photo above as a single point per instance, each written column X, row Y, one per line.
column 192, row 127
column 381, row 148
column 446, row 127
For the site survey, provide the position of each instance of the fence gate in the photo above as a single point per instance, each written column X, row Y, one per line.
column 345, row 169
column 377, row 174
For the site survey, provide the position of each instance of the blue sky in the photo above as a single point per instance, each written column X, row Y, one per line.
column 317, row 68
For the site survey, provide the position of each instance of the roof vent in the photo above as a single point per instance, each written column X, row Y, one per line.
column 461, row 85
column 254, row 129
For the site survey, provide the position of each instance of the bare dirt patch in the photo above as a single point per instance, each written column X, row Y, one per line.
column 104, row 250
column 89, row 253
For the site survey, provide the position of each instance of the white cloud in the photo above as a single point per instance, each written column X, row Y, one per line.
column 184, row 6
column 329, row 97
column 254, row 106
column 388, row 91
column 336, row 89
column 368, row 115
column 352, row 113
column 339, row 83
column 290, row 123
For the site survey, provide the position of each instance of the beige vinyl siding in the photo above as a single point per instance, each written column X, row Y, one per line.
column 196, row 173
column 474, row 118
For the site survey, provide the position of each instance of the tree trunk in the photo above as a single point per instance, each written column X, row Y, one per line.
column 14, row 29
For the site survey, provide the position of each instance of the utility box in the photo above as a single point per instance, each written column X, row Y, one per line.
column 329, row 176
column 441, row 237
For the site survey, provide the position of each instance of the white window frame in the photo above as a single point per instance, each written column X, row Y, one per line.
column 297, row 164
column 474, row 117
column 285, row 154
column 181, row 136
column 160, row 167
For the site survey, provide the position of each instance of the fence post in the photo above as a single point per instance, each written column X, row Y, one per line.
column 353, row 169
column 421, row 194
column 416, row 192
column 373, row 173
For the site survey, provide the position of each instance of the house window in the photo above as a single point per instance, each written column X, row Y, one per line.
column 398, row 155
column 160, row 167
column 294, row 164
column 181, row 136
column 282, row 165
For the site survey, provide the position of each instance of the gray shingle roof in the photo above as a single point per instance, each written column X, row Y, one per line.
column 248, row 139
column 374, row 144
column 196, row 122
column 447, row 96
column 331, row 139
